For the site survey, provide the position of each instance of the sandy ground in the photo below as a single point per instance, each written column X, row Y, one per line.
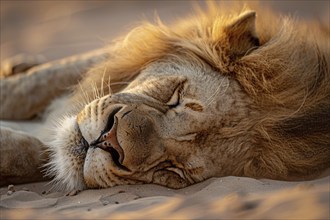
column 227, row 198
column 57, row 29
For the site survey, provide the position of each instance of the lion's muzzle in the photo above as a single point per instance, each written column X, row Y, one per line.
column 108, row 142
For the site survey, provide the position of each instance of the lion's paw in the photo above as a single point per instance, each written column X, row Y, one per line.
column 22, row 157
column 19, row 64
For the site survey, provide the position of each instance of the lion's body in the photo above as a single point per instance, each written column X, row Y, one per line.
column 221, row 94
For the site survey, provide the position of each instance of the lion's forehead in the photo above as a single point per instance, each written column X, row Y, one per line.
column 161, row 78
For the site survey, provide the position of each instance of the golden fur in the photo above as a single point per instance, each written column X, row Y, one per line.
column 274, row 114
column 287, row 77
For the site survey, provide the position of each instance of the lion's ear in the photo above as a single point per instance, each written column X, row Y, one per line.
column 241, row 34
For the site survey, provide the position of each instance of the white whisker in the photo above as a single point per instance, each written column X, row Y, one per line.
column 212, row 97
column 86, row 98
column 109, row 84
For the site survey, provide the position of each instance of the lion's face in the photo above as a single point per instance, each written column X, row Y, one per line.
column 210, row 99
column 169, row 126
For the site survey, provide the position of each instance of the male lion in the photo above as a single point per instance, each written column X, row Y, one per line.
column 222, row 93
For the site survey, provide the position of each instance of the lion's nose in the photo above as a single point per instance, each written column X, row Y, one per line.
column 107, row 141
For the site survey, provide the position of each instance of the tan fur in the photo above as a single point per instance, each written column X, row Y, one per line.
column 267, row 115
column 52, row 78
column 288, row 78
column 23, row 162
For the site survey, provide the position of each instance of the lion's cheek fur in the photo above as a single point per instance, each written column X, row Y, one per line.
column 67, row 155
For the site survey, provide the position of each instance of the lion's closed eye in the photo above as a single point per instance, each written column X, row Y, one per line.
column 176, row 98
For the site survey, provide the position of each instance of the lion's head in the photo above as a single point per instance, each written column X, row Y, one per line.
column 204, row 99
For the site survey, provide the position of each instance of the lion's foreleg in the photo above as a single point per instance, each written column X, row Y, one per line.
column 19, row 64
column 24, row 95
column 21, row 157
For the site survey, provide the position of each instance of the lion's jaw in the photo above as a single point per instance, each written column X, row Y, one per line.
column 173, row 124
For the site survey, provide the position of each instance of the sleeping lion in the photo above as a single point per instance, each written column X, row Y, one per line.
column 226, row 92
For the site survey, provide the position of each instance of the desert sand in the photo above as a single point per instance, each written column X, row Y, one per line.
column 216, row 198
column 56, row 30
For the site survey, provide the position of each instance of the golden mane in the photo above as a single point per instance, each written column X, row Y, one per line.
column 287, row 77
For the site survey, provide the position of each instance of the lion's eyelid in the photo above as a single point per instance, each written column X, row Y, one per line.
column 176, row 97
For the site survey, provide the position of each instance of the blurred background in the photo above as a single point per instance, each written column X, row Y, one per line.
column 57, row 29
